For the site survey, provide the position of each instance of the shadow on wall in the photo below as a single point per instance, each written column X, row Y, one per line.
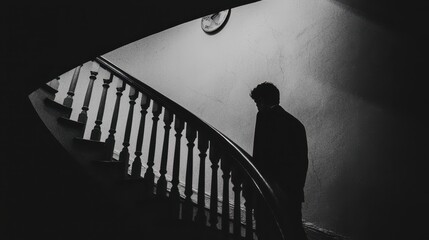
column 381, row 192
column 388, row 199
column 395, row 15
column 383, row 201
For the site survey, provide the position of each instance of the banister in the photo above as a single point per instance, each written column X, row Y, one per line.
column 241, row 157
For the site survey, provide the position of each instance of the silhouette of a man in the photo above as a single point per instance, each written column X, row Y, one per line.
column 280, row 154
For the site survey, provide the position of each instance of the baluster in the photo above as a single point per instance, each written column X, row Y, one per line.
column 175, row 196
column 110, row 141
column 149, row 175
column 236, row 181
column 214, row 158
column 96, row 132
column 137, row 163
column 124, row 156
column 161, row 187
column 203, row 145
column 226, row 169
column 248, row 196
column 191, row 134
column 68, row 101
column 83, row 116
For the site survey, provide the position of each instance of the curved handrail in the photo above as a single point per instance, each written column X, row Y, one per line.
column 241, row 157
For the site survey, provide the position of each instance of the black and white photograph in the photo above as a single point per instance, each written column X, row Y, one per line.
column 214, row 120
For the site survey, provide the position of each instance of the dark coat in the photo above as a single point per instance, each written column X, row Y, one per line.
column 280, row 151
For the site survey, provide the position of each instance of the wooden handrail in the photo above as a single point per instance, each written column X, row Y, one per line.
column 239, row 156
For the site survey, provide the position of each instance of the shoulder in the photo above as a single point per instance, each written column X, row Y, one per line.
column 279, row 111
column 288, row 118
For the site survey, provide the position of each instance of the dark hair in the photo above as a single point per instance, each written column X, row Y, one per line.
column 267, row 93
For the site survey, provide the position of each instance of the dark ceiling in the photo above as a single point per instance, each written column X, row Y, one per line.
column 404, row 16
column 40, row 40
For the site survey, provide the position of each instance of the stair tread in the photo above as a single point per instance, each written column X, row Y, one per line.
column 70, row 121
column 189, row 230
column 106, row 162
column 59, row 106
column 49, row 89
column 79, row 139
column 129, row 179
column 90, row 144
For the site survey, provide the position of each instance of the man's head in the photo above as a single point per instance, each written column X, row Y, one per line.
column 265, row 95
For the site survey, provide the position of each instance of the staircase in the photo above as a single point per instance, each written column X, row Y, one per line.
column 162, row 186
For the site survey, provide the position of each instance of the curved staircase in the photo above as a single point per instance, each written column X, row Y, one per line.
column 151, row 191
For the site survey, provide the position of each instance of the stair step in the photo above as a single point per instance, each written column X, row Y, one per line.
column 112, row 169
column 172, row 229
column 130, row 180
column 77, row 127
column 59, row 107
column 95, row 150
column 137, row 187
column 314, row 233
column 135, row 182
column 89, row 143
column 107, row 163
column 71, row 122
column 50, row 91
